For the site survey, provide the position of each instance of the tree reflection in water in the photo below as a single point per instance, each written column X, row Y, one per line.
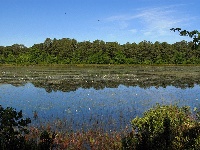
column 96, row 95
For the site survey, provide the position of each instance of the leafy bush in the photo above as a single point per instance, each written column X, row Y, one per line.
column 46, row 142
column 12, row 129
column 164, row 127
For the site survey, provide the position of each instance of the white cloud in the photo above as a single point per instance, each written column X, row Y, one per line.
column 152, row 23
column 133, row 31
column 159, row 20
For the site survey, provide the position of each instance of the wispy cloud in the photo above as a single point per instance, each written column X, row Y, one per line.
column 159, row 20
column 152, row 22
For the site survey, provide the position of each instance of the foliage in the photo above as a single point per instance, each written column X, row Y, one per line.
column 46, row 142
column 164, row 127
column 195, row 35
column 69, row 51
column 12, row 129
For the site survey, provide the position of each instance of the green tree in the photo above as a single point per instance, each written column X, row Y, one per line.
column 145, row 51
column 111, row 49
column 195, row 35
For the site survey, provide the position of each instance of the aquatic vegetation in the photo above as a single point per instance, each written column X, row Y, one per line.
column 83, row 140
column 16, row 134
column 68, row 78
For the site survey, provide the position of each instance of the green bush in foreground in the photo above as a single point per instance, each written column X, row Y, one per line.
column 12, row 129
column 164, row 127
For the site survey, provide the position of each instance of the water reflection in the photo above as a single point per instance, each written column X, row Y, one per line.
column 89, row 97
column 111, row 107
column 70, row 78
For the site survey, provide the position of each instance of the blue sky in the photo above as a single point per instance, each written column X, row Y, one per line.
column 32, row 21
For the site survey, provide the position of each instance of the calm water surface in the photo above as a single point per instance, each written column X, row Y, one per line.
column 79, row 97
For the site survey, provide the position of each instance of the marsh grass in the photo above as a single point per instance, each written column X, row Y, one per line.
column 96, row 132
column 161, row 127
column 90, row 139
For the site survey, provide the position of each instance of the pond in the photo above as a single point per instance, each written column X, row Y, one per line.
column 77, row 97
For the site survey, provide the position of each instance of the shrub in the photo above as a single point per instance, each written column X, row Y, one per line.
column 164, row 127
column 46, row 142
column 12, row 129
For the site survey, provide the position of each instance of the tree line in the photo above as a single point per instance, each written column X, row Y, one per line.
column 70, row 51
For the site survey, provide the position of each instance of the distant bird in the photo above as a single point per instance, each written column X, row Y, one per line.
column 65, row 13
column 98, row 20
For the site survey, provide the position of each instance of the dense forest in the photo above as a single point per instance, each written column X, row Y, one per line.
column 70, row 51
